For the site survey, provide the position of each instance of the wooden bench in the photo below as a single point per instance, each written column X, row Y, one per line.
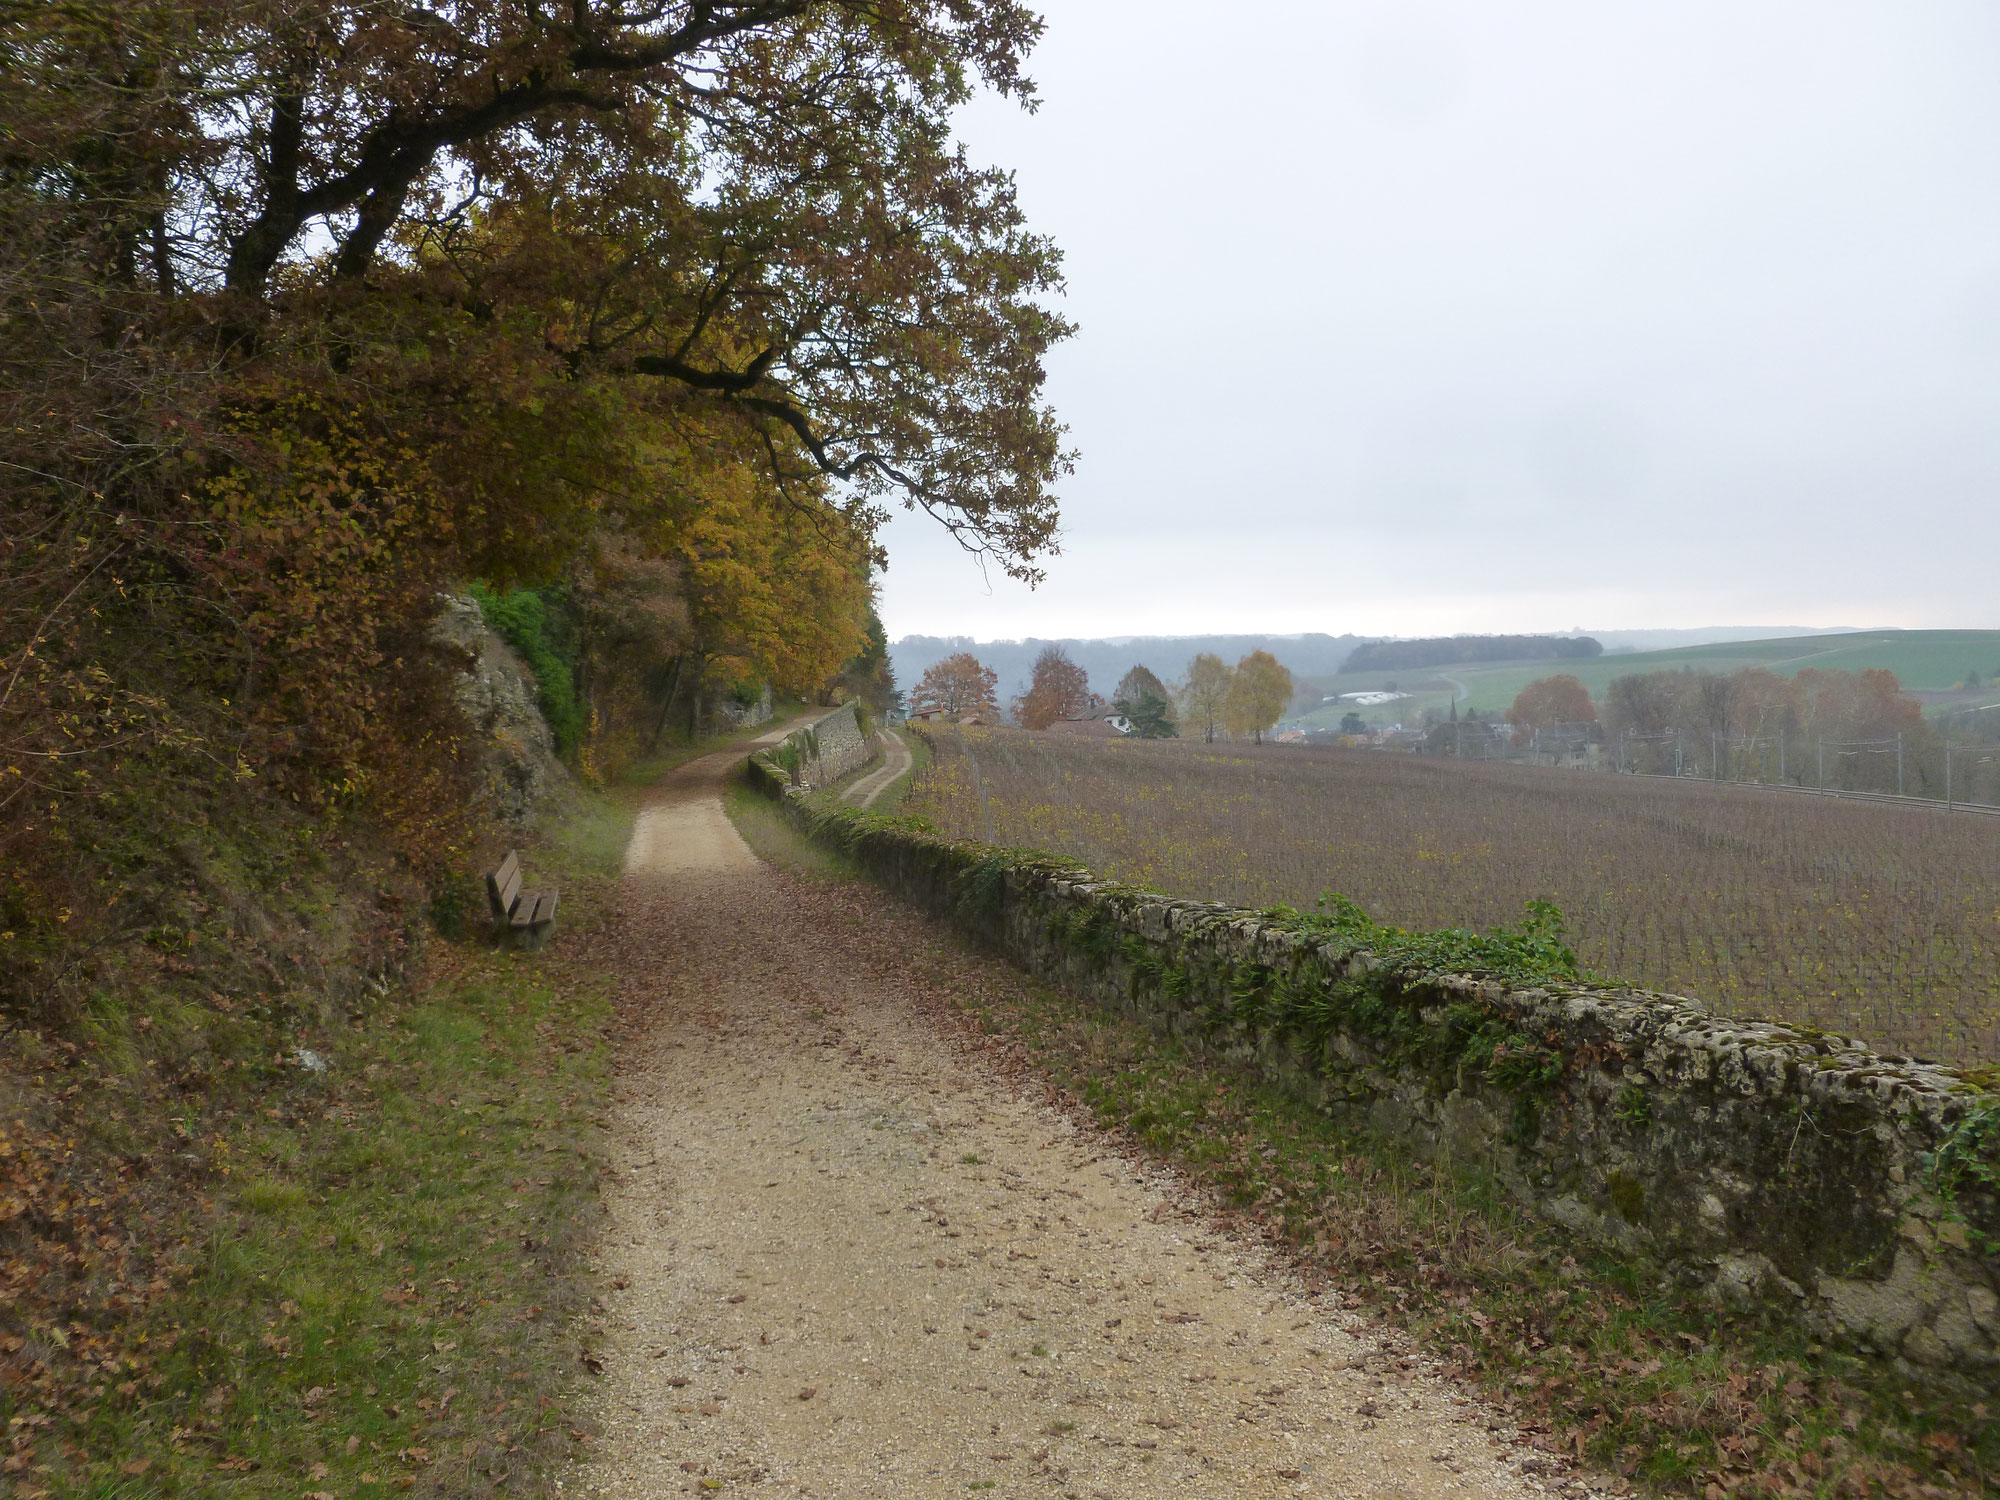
column 528, row 915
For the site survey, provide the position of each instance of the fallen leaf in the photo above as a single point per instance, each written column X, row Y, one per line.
column 740, row 1297
column 136, row 1466
column 808, row 1393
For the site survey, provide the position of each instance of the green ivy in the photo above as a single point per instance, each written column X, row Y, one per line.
column 537, row 629
column 1969, row 1159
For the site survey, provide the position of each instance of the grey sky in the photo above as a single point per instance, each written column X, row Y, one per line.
column 1415, row 318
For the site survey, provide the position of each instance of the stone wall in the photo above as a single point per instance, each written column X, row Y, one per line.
column 1792, row 1174
column 817, row 755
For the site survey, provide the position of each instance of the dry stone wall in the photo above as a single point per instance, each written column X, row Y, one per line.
column 1791, row 1174
column 822, row 752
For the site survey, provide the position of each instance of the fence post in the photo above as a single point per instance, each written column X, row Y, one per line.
column 1822, row 766
column 1899, row 763
column 1781, row 757
column 1947, row 775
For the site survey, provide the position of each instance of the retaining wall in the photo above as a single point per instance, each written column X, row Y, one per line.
column 818, row 754
column 1793, row 1174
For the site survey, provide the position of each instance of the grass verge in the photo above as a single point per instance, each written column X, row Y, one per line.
column 896, row 791
column 379, row 1287
column 772, row 838
column 679, row 750
column 1595, row 1359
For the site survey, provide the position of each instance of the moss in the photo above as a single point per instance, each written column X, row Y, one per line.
column 1627, row 1195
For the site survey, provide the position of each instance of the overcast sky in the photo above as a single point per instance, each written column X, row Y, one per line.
column 1417, row 318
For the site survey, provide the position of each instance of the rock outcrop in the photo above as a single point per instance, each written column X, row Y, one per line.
column 513, row 749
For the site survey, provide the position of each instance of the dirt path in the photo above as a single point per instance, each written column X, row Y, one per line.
column 896, row 759
column 856, row 1255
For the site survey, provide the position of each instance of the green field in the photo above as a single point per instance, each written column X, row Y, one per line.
column 1930, row 661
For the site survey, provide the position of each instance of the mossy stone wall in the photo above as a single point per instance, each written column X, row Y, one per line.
column 834, row 745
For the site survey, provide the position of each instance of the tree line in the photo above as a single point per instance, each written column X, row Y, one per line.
column 1242, row 701
column 1858, row 729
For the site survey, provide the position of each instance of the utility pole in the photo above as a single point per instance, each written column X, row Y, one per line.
column 1781, row 757
column 1822, row 767
column 1714, row 756
column 1680, row 755
column 1899, row 763
column 1947, row 775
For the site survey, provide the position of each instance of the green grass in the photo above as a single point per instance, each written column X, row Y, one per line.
column 896, row 791
column 1921, row 659
column 382, row 1287
column 773, row 839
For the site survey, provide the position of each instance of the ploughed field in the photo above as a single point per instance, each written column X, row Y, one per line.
column 1879, row 921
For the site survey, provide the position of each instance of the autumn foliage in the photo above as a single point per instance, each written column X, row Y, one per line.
column 956, row 686
column 1059, row 689
column 311, row 313
column 1547, row 702
column 1260, row 690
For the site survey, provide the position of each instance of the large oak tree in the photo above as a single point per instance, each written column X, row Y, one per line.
column 759, row 203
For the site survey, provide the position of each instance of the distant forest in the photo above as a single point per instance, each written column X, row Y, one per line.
column 1446, row 650
column 1106, row 661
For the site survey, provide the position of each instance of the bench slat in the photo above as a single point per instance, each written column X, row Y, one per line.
column 524, row 909
column 545, row 909
column 503, row 884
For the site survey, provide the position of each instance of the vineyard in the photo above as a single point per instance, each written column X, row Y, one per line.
column 1881, row 921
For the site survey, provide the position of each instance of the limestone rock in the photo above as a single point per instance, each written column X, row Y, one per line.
column 512, row 747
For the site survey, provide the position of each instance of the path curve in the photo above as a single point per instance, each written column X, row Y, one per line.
column 896, row 760
column 853, row 1253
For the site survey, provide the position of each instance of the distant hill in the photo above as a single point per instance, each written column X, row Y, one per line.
column 1445, row 650
column 1927, row 662
column 1707, row 635
column 1107, row 660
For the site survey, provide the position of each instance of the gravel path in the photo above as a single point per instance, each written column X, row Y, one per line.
column 858, row 1253
column 896, row 759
